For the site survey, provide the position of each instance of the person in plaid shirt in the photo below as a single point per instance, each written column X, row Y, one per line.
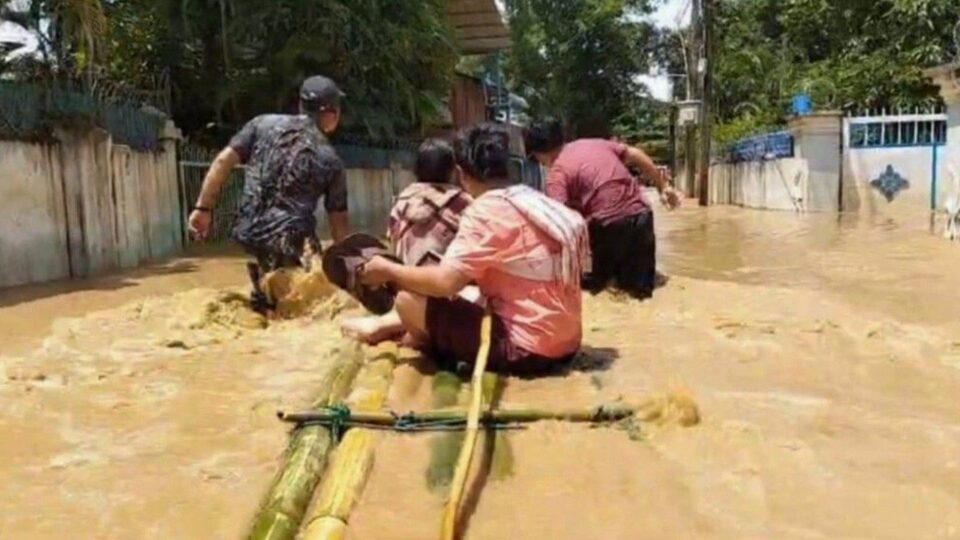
column 423, row 222
column 426, row 216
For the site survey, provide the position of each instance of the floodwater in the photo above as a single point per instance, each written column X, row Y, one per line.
column 824, row 355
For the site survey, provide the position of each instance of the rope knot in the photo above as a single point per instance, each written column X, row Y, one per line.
column 339, row 418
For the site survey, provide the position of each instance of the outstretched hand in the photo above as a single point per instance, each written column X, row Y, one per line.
column 671, row 198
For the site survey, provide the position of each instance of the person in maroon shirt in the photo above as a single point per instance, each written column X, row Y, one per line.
column 591, row 176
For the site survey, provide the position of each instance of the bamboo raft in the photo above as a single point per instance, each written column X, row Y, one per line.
column 448, row 418
column 448, row 530
column 352, row 461
column 315, row 467
column 286, row 501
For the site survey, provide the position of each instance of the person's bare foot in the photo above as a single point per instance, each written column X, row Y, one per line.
column 370, row 330
column 412, row 342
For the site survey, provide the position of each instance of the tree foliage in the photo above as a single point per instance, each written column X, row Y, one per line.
column 855, row 54
column 69, row 32
column 229, row 60
column 579, row 59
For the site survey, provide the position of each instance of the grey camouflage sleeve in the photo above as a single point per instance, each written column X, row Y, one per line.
column 335, row 196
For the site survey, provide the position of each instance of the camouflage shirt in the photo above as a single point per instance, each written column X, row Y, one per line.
column 289, row 166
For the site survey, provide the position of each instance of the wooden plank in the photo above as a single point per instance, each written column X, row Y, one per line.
column 484, row 31
column 127, row 207
column 479, row 46
column 466, row 20
column 472, row 6
column 33, row 244
column 88, row 201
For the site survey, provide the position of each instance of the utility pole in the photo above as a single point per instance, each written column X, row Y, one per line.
column 693, row 94
column 706, row 98
column 673, row 135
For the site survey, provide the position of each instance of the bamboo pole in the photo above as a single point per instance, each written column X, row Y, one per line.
column 603, row 414
column 497, row 447
column 351, row 463
column 449, row 526
column 283, row 507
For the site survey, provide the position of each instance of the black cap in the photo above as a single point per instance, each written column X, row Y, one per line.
column 321, row 92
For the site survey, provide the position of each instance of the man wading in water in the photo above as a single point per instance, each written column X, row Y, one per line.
column 289, row 166
column 591, row 176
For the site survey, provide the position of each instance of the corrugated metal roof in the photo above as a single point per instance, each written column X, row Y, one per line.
column 480, row 26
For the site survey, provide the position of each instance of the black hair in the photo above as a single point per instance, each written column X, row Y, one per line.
column 483, row 151
column 544, row 135
column 434, row 162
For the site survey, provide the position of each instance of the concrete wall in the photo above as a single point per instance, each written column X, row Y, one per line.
column 947, row 78
column 924, row 167
column 33, row 231
column 779, row 184
column 807, row 182
column 82, row 206
column 370, row 196
column 818, row 141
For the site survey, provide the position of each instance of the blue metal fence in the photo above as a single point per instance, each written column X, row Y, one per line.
column 761, row 147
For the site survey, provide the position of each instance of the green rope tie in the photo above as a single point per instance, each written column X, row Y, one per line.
column 339, row 419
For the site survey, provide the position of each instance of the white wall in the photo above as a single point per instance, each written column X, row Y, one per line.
column 949, row 184
column 780, row 184
column 916, row 164
column 33, row 232
column 82, row 206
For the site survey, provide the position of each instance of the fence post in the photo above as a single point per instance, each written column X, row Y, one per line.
column 947, row 77
column 817, row 141
column 170, row 139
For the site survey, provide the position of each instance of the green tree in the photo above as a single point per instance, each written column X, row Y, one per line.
column 855, row 54
column 69, row 32
column 226, row 61
column 579, row 59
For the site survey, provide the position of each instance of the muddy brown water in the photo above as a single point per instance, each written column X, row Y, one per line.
column 824, row 355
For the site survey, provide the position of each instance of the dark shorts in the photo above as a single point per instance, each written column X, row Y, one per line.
column 454, row 329
column 624, row 254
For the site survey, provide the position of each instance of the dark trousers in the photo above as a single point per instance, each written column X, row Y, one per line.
column 286, row 252
column 624, row 254
column 454, row 330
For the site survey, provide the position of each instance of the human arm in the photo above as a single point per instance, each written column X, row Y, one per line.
column 237, row 151
column 475, row 249
column 638, row 158
column 557, row 186
column 439, row 281
column 217, row 176
column 335, row 201
column 339, row 225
